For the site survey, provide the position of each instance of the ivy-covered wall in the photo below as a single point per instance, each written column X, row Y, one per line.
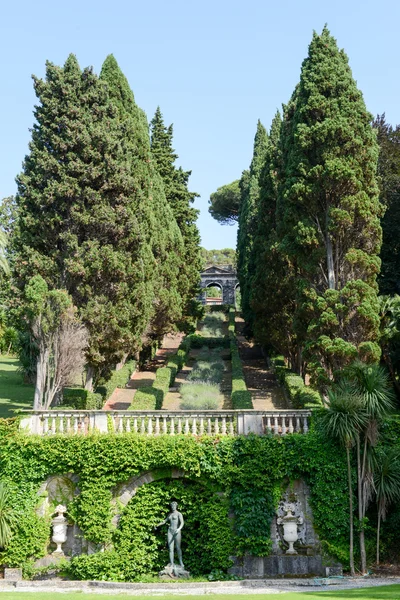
column 240, row 476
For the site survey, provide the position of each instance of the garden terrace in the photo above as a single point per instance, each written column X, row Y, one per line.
column 153, row 423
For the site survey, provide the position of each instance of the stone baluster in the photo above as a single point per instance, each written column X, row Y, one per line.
column 298, row 427
column 45, row 424
column 75, row 423
column 201, row 430
column 164, row 425
column 231, row 428
column 142, row 425
column 128, row 425
column 179, row 431
column 61, row 425
column 283, row 429
column 68, row 423
column 216, row 426
column 305, row 424
column 209, row 429
column 186, row 431
column 53, row 425
column 276, row 426
column 150, row 425
column 291, row 428
column 269, row 426
column 223, row 426
column 194, row 426
column 120, row 428
column 172, row 430
column 135, row 425
column 157, row 427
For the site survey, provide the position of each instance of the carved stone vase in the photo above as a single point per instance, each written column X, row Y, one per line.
column 59, row 524
column 290, row 522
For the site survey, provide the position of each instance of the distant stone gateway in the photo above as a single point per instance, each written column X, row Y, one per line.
column 224, row 277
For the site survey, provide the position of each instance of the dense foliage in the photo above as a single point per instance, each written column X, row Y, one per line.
column 250, row 192
column 180, row 199
column 225, row 203
column 92, row 217
column 243, row 474
column 312, row 263
column 389, row 172
column 226, row 256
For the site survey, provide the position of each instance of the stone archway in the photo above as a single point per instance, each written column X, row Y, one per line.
column 223, row 277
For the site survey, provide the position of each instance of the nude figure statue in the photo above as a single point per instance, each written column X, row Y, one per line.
column 175, row 523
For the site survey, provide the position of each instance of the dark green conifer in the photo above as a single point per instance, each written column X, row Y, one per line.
column 389, row 172
column 272, row 291
column 161, row 231
column 79, row 219
column 328, row 211
column 180, row 199
column 250, row 193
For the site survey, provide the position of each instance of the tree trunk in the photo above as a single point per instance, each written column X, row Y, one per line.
column 37, row 399
column 89, row 378
column 378, row 530
column 352, row 571
column 363, row 556
column 329, row 257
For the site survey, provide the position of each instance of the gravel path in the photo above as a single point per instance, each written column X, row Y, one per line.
column 249, row 586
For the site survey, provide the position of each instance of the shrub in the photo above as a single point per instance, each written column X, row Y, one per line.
column 147, row 398
column 118, row 379
column 198, row 341
column 164, row 378
column 81, row 399
column 212, row 308
column 241, row 397
column 211, row 325
column 200, row 395
column 300, row 394
column 209, row 368
column 231, row 326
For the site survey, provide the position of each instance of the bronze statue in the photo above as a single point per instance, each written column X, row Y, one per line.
column 176, row 522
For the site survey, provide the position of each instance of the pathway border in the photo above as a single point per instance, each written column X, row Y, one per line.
column 246, row 586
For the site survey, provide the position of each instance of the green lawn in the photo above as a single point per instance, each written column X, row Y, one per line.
column 389, row 592
column 13, row 392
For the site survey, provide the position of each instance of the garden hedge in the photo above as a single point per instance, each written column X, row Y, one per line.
column 300, row 395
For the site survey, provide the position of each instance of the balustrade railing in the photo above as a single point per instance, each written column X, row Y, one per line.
column 153, row 423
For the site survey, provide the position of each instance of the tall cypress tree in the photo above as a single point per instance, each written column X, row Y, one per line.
column 389, row 172
column 248, row 221
column 328, row 211
column 180, row 199
column 273, row 288
column 78, row 220
column 161, row 231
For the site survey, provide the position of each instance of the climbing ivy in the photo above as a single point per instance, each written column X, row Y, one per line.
column 242, row 477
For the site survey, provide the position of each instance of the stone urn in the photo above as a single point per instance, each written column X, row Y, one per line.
column 59, row 524
column 290, row 522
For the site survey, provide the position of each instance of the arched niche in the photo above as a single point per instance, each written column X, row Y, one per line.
column 124, row 492
column 57, row 489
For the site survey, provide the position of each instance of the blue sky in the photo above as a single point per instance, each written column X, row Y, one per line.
column 214, row 67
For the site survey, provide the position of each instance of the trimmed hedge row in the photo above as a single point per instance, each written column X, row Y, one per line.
column 152, row 397
column 118, row 379
column 198, row 341
column 81, row 399
column 147, row 398
column 241, row 397
column 210, row 308
column 300, row 394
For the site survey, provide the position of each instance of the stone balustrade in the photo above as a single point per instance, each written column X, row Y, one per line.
column 186, row 422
